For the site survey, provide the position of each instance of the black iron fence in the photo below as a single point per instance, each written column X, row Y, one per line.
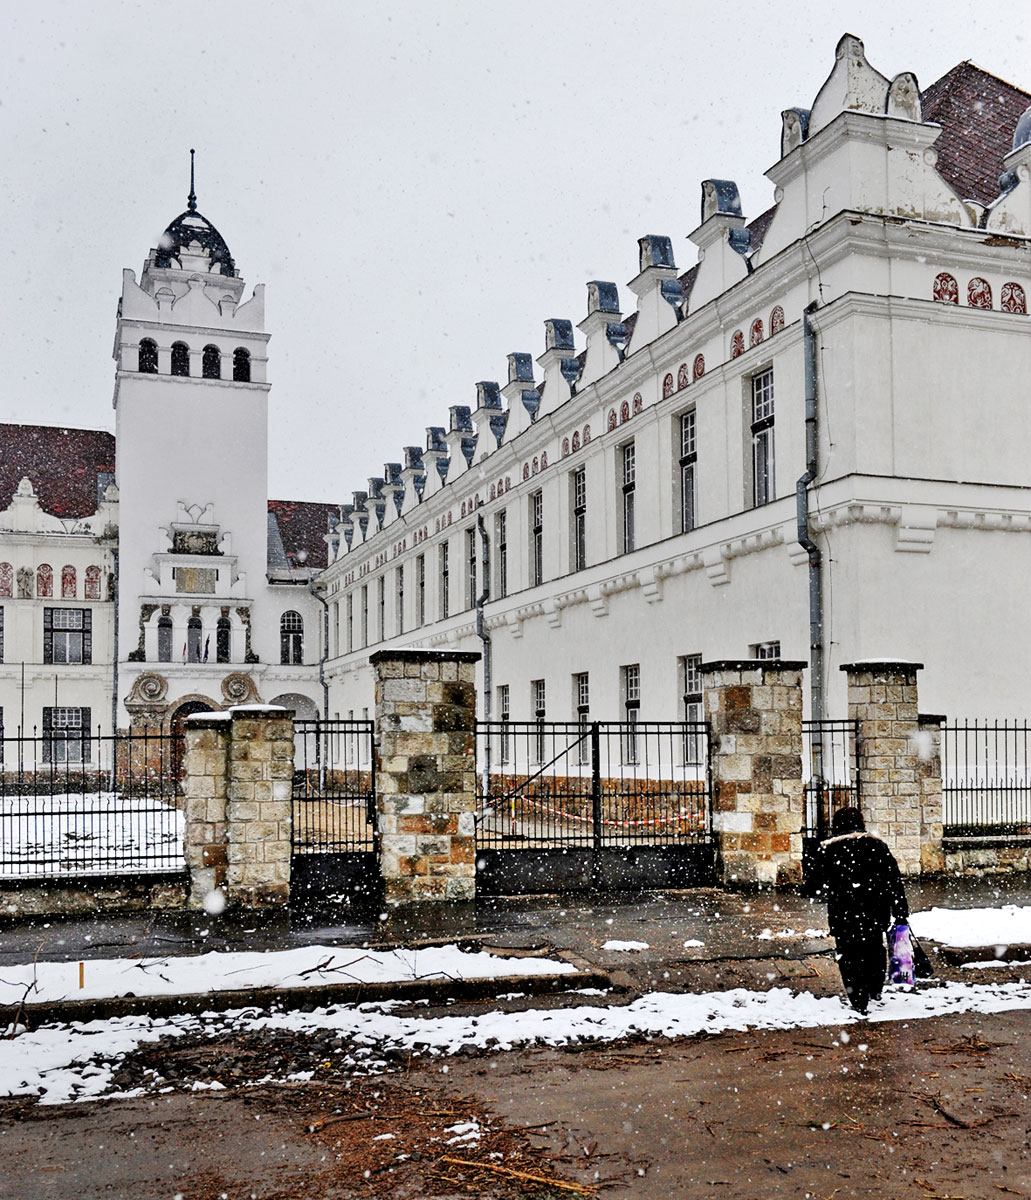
column 334, row 791
column 986, row 778
column 593, row 784
column 77, row 803
column 831, row 779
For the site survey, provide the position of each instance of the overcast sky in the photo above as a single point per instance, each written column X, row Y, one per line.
column 419, row 184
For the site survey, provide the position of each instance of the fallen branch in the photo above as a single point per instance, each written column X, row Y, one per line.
column 579, row 1188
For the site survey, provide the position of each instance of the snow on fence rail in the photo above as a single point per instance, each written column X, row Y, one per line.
column 74, row 804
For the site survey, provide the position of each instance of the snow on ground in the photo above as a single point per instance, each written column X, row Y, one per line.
column 785, row 935
column 1005, row 926
column 60, row 1063
column 308, row 966
column 617, row 945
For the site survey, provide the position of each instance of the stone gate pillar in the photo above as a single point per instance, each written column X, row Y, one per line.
column 239, row 772
column 898, row 762
column 426, row 774
column 754, row 707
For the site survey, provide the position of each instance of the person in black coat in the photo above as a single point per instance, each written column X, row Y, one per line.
column 861, row 883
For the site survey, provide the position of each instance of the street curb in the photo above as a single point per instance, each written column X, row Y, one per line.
column 303, row 998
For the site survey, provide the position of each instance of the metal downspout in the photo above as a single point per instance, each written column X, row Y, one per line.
column 484, row 637
column 325, row 648
column 114, row 680
column 816, row 648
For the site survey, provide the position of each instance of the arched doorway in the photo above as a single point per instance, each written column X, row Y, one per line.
column 177, row 728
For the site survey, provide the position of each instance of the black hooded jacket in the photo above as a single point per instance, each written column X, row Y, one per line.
column 861, row 883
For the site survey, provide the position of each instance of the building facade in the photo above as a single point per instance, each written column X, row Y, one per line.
column 811, row 445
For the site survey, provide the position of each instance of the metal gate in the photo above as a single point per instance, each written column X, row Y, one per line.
column 831, row 775
column 333, row 838
column 599, row 805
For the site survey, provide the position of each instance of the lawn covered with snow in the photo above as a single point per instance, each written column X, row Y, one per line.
column 1006, row 926
column 307, row 966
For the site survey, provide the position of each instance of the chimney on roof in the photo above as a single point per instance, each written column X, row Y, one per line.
column 558, row 363
column 602, row 312
column 461, row 440
column 435, row 459
column 658, row 289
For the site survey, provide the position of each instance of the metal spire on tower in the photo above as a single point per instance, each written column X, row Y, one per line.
column 191, row 200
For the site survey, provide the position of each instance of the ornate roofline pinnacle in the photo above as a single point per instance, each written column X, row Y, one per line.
column 191, row 200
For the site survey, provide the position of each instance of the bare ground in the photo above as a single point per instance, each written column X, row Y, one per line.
column 933, row 1108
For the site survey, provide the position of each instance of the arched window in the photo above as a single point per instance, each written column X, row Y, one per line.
column 291, row 639
column 45, row 580
column 6, row 579
column 92, row 583
column 165, row 639
column 211, row 367
column 241, row 365
column 223, row 640
column 68, row 583
column 148, row 356
column 945, row 289
column 180, row 358
column 979, row 293
column 194, row 631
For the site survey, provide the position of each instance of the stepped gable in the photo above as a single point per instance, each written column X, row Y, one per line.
column 302, row 525
column 66, row 466
column 978, row 113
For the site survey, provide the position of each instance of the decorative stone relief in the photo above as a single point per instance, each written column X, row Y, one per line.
column 979, row 293
column 140, row 653
column 945, row 289
column 25, row 578
column 698, row 366
column 1012, row 298
column 755, row 333
column 238, row 688
column 737, row 344
column 682, row 376
column 776, row 320
column 667, row 386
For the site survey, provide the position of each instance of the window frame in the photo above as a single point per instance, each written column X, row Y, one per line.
column 628, row 490
column 687, row 428
column 578, row 511
column 763, row 456
column 291, row 638
column 64, row 642
column 536, row 540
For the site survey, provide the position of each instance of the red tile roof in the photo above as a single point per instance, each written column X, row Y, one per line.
column 63, row 465
column 978, row 113
column 302, row 524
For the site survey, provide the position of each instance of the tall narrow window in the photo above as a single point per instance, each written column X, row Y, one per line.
column 628, row 475
column 241, row 365
column 349, row 622
column 763, row 482
column 180, row 358
column 578, row 488
column 470, row 567
column 420, row 590
column 501, row 550
column 92, row 583
column 445, row 580
column 291, row 638
column 164, row 639
column 504, row 716
column 536, row 538
column 632, row 708
column 582, row 703
column 211, row 363
column 688, row 461
column 381, row 608
column 765, row 650
column 363, row 616
column 537, row 705
column 68, row 583
column 399, row 597
column 691, row 687
column 194, row 633
column 148, row 363
column 223, row 640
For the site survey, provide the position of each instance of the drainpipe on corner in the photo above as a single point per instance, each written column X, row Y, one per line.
column 816, row 647
column 325, row 648
column 114, row 683
column 484, row 636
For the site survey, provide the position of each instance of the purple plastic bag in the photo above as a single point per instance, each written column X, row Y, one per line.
column 900, row 950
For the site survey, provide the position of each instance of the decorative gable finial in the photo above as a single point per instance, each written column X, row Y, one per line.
column 191, row 200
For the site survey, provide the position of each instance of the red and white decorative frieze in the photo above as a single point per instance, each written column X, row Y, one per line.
column 945, row 289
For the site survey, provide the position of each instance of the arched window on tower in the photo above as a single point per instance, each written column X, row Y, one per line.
column 194, row 631
column 212, row 363
column 165, row 639
column 180, row 358
column 291, row 639
column 45, row 580
column 241, row 365
column 148, row 356
column 223, row 640
column 68, row 583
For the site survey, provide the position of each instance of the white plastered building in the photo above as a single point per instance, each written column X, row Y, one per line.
column 648, row 499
